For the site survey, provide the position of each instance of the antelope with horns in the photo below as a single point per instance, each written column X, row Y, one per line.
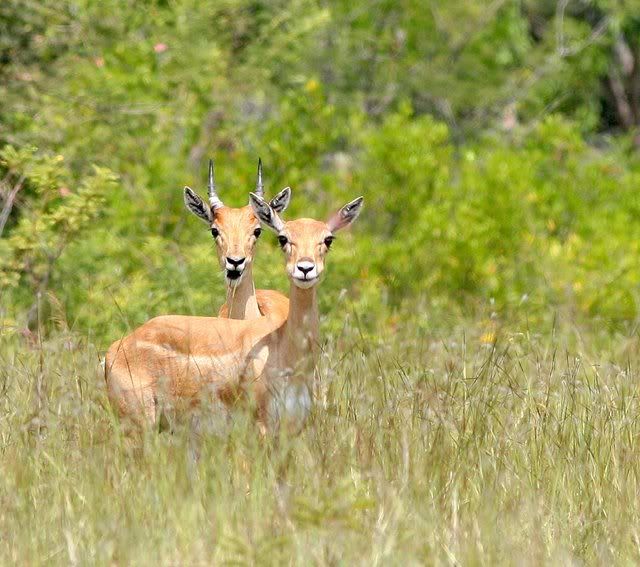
column 178, row 361
column 236, row 231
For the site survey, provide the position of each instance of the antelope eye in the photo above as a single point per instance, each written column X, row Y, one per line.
column 282, row 239
column 328, row 241
column 215, row 232
column 257, row 232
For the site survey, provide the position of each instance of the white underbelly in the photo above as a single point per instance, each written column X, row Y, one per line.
column 289, row 405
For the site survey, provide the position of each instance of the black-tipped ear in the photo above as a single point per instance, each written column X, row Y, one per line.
column 266, row 215
column 197, row 206
column 346, row 215
column 281, row 201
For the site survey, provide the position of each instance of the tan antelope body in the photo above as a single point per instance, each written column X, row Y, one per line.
column 181, row 361
column 236, row 231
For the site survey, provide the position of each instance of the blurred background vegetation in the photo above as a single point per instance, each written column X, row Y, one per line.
column 496, row 143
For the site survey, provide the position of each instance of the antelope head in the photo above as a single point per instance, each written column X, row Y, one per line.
column 305, row 242
column 235, row 230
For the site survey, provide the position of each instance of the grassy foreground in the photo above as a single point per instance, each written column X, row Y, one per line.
column 465, row 447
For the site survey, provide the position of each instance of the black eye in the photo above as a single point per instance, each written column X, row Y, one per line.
column 215, row 232
column 257, row 232
column 283, row 240
column 328, row 241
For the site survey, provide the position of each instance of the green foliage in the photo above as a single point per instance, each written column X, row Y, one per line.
column 535, row 218
column 463, row 126
column 53, row 217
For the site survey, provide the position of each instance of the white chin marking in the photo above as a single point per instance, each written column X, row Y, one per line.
column 304, row 284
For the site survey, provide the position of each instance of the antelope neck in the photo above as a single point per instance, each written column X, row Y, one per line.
column 302, row 322
column 241, row 298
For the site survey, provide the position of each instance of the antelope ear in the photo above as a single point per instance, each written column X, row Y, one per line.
column 265, row 213
column 197, row 206
column 346, row 215
column 281, row 201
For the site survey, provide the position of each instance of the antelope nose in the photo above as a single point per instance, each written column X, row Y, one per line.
column 235, row 262
column 305, row 267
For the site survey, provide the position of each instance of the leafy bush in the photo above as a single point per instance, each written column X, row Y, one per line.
column 469, row 131
column 50, row 220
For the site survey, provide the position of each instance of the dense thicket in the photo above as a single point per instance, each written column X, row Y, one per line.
column 494, row 142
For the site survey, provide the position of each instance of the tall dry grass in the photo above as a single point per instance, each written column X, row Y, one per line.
column 425, row 447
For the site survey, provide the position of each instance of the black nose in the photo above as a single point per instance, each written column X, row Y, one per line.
column 235, row 261
column 305, row 268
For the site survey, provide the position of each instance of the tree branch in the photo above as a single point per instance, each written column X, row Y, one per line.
column 8, row 204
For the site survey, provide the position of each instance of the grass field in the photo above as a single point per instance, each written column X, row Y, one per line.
column 485, row 444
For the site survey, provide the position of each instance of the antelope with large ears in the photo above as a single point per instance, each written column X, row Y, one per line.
column 270, row 361
column 305, row 241
column 236, row 231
